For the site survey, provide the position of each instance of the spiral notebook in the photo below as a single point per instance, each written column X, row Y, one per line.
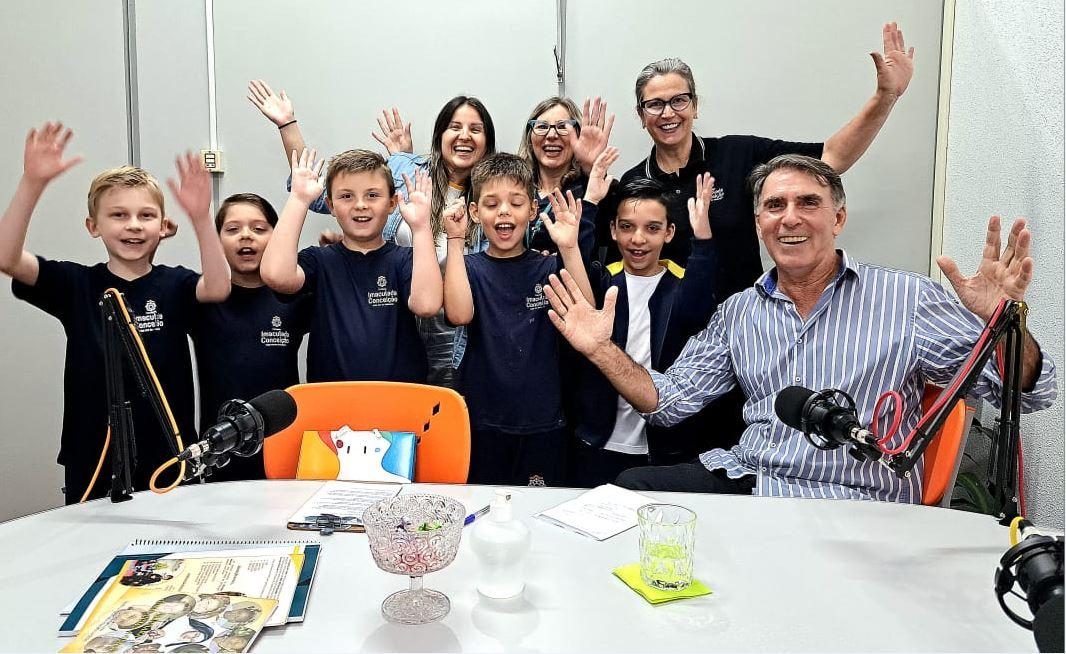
column 149, row 549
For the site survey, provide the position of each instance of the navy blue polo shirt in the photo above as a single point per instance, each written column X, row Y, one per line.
column 510, row 371
column 161, row 304
column 361, row 327
column 730, row 159
column 246, row 346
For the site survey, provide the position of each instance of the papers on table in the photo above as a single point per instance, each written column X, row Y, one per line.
column 339, row 505
column 599, row 513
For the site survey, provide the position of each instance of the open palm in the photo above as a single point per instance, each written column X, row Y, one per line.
column 999, row 276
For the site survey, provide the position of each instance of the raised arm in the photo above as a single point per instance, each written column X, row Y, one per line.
column 595, row 133
column 564, row 230
column 427, row 288
column 279, row 268
column 395, row 134
column 999, row 276
column 42, row 161
column 589, row 332
column 193, row 193
column 894, row 71
column 458, row 299
column 277, row 108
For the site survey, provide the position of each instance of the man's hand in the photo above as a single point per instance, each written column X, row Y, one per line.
column 415, row 210
column 699, row 207
column 277, row 108
column 192, row 190
column 579, row 322
column 395, row 134
column 599, row 179
column 307, row 181
column 42, row 160
column 567, row 212
column 595, row 132
column 896, row 67
column 999, row 276
column 454, row 219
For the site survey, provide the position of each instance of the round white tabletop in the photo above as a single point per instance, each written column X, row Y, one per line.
column 787, row 575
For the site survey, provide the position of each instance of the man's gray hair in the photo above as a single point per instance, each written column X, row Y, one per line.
column 664, row 67
column 816, row 168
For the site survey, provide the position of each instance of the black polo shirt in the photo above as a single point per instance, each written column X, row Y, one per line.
column 729, row 159
column 361, row 327
column 246, row 346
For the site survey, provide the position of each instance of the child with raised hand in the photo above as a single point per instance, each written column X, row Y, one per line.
column 126, row 212
column 366, row 291
column 509, row 372
column 250, row 343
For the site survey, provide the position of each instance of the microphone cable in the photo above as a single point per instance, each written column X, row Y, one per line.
column 127, row 323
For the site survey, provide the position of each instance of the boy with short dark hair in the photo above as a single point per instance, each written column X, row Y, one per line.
column 248, row 344
column 366, row 292
column 509, row 372
column 126, row 212
column 659, row 306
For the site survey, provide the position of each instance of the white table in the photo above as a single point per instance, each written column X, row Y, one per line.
column 794, row 575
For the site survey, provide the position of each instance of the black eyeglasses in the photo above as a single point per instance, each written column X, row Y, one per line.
column 562, row 128
column 656, row 107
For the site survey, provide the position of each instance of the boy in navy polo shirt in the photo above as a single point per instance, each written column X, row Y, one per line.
column 366, row 292
column 126, row 213
column 248, row 344
column 659, row 306
column 509, row 373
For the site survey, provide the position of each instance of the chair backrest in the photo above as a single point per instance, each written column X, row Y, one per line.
column 944, row 454
column 437, row 416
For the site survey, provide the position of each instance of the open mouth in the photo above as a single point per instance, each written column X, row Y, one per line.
column 553, row 150
column 670, row 127
column 246, row 252
column 133, row 241
column 792, row 240
column 505, row 230
column 638, row 255
column 360, row 220
column 463, row 150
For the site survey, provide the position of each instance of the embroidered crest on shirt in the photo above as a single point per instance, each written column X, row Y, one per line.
column 538, row 299
column 717, row 194
column 151, row 320
column 275, row 337
column 384, row 296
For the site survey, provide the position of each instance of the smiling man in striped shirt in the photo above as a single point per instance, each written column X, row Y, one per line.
column 818, row 319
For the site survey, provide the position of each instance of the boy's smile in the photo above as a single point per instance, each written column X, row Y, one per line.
column 130, row 223
column 361, row 204
column 641, row 230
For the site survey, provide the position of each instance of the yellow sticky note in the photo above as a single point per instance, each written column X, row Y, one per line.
column 630, row 575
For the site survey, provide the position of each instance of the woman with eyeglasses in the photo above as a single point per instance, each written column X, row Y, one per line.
column 667, row 105
column 561, row 143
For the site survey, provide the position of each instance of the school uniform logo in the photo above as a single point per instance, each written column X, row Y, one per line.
column 384, row 296
column 538, row 300
column 717, row 194
column 276, row 336
column 149, row 321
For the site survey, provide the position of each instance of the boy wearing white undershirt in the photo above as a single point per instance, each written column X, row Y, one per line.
column 660, row 305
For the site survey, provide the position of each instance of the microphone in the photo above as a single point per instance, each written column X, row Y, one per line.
column 241, row 428
column 822, row 414
column 1035, row 564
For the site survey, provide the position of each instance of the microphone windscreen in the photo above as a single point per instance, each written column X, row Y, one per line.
column 789, row 405
column 277, row 408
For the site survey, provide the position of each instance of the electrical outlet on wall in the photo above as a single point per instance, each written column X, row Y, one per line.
column 212, row 161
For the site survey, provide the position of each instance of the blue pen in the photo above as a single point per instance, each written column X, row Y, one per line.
column 475, row 515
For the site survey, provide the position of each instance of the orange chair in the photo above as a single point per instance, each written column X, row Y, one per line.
column 437, row 416
column 944, row 454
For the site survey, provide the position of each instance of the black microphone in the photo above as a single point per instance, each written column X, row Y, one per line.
column 1035, row 564
column 821, row 414
column 242, row 426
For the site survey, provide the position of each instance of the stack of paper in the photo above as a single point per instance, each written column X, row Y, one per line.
column 600, row 513
column 193, row 593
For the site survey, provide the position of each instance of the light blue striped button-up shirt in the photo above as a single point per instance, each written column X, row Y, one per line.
column 873, row 329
